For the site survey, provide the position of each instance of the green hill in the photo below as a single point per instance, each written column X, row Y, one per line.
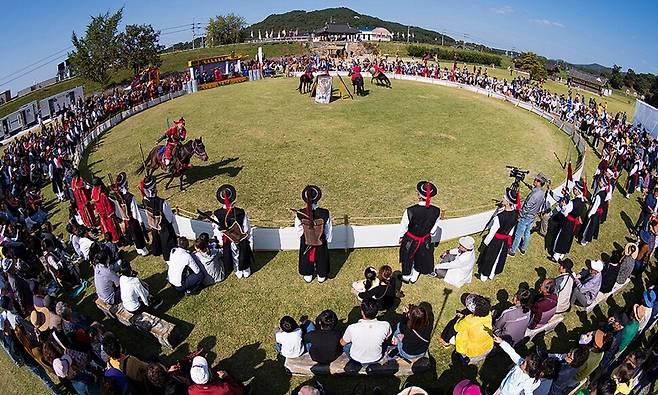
column 312, row 20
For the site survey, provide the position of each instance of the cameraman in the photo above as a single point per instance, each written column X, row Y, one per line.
column 532, row 206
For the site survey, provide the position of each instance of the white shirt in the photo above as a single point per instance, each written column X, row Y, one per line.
column 291, row 343
column 460, row 270
column 179, row 259
column 367, row 338
column 404, row 224
column 85, row 244
column 132, row 291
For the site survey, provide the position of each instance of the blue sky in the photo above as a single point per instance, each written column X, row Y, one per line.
column 604, row 32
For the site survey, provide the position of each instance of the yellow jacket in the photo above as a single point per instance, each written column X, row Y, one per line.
column 473, row 335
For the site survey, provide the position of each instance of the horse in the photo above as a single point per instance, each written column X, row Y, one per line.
column 357, row 85
column 180, row 160
column 380, row 77
column 305, row 83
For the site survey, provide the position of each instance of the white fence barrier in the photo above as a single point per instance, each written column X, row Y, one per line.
column 347, row 236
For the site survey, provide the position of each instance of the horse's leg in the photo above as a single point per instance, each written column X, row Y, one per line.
column 180, row 181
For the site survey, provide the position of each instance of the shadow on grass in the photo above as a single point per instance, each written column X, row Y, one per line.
column 630, row 225
column 337, row 259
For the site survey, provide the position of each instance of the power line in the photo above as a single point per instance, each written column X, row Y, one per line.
column 34, row 69
column 35, row 63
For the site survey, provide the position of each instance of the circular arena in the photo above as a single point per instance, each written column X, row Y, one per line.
column 504, row 220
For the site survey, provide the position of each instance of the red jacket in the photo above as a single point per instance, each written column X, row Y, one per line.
column 543, row 310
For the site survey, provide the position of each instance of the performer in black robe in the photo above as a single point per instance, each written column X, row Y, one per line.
column 499, row 239
column 132, row 220
column 420, row 223
column 572, row 212
column 237, row 239
column 593, row 222
column 314, row 227
column 159, row 219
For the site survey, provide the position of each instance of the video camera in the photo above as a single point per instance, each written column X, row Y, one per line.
column 517, row 173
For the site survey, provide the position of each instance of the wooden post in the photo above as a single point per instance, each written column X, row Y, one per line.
column 346, row 222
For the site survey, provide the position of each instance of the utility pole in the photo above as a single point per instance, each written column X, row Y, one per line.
column 443, row 34
column 407, row 34
column 193, row 33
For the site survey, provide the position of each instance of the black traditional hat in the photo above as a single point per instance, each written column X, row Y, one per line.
column 579, row 185
column 148, row 184
column 226, row 193
column 121, row 180
column 96, row 181
column 510, row 196
column 311, row 194
column 426, row 190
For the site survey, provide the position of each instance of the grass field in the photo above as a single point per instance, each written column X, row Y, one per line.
column 235, row 320
column 366, row 154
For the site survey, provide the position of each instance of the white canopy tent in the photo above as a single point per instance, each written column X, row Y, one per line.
column 647, row 115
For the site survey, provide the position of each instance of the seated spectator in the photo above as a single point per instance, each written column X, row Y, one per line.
column 132, row 367
column 599, row 342
column 524, row 377
column 624, row 330
column 548, row 373
column 564, row 284
column 370, row 280
column 58, row 265
column 413, row 332
column 205, row 383
column 643, row 310
column 363, row 340
column 135, row 297
column 289, row 337
column 384, row 292
column 456, row 267
column 161, row 382
column 85, row 242
column 588, row 284
column 627, row 263
column 610, row 273
column 209, row 258
column 44, row 321
column 467, row 387
column 106, row 282
column 323, row 344
column 569, row 365
column 543, row 309
column 512, row 323
column 184, row 273
column 471, row 332
column 624, row 377
column 81, row 381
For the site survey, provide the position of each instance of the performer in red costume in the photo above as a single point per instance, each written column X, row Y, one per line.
column 105, row 209
column 81, row 196
column 356, row 72
column 175, row 135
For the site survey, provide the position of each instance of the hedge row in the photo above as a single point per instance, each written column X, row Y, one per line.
column 449, row 54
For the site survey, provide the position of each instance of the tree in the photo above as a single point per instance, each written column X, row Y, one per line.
column 652, row 96
column 225, row 29
column 630, row 79
column 139, row 48
column 530, row 62
column 96, row 53
column 616, row 80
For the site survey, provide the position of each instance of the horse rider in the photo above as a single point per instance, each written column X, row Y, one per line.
column 356, row 72
column 175, row 135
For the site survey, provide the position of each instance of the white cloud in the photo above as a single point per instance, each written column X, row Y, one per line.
column 504, row 10
column 547, row 22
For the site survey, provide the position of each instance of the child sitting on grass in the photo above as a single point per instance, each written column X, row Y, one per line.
column 289, row 337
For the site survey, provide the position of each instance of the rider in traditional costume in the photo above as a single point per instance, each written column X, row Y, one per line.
column 499, row 239
column 420, row 223
column 175, row 135
column 572, row 212
column 81, row 195
column 105, row 209
column 315, row 232
column 159, row 219
column 132, row 220
column 235, row 234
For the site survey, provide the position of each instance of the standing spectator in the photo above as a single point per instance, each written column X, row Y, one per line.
column 363, row 340
column 545, row 306
column 532, row 206
column 512, row 323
